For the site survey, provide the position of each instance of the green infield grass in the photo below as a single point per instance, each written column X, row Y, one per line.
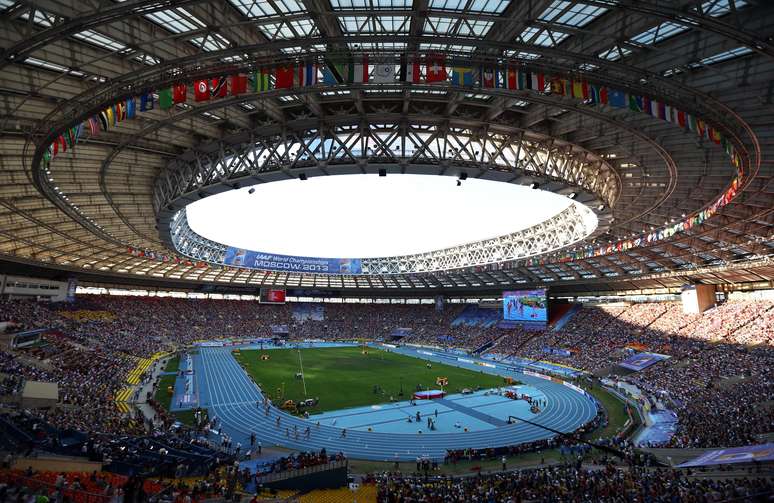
column 345, row 377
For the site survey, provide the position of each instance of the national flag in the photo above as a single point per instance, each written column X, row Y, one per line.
column 103, row 120
column 538, row 82
column 488, row 77
column 146, row 102
column 635, row 103
column 357, row 70
column 93, row 126
column 307, row 74
column 201, row 90
column 436, row 68
column 165, row 98
column 701, row 128
column 668, row 115
column 647, row 105
column 681, row 118
column 577, row 89
column 111, row 117
column 219, row 87
column 616, row 98
column 512, row 79
column 462, row 76
column 558, row 86
column 522, row 78
column 238, row 84
column 179, row 93
column 55, row 146
column 131, row 108
column 691, row 122
column 714, row 135
column 409, row 71
column 384, row 72
column 262, row 80
column 329, row 75
column 118, row 110
column 284, row 77
column 333, row 72
column 598, row 94
column 62, row 143
column 661, row 110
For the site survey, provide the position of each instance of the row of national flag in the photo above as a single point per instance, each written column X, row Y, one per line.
column 360, row 70
column 430, row 69
column 665, row 232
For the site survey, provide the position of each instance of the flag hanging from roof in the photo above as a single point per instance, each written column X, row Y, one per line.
column 635, row 103
column 384, row 73
column 131, row 108
column 238, row 84
column 284, row 77
column 307, row 74
column 102, row 116
column 219, row 87
column 436, row 68
column 93, row 126
column 512, row 79
column 262, row 80
column 201, row 90
column 489, row 77
column 165, row 98
column 462, row 76
column 559, row 86
column 357, row 70
column 599, row 94
column 522, row 78
column 146, row 102
column 616, row 98
column 538, row 82
column 410, row 71
column 179, row 93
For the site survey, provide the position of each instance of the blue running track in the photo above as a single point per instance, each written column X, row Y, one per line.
column 229, row 394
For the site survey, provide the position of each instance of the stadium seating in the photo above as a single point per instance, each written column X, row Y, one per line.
column 607, row 484
column 719, row 367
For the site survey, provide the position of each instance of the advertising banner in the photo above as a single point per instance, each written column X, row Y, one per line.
column 641, row 361
column 72, row 286
column 289, row 263
column 556, row 351
column 746, row 454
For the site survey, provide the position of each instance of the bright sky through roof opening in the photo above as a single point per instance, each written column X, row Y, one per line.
column 360, row 216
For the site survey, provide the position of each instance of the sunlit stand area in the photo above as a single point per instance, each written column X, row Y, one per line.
column 386, row 251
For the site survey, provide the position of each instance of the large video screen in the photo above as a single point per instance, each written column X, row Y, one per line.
column 271, row 296
column 525, row 305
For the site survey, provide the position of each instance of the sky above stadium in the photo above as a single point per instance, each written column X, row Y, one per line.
column 360, row 216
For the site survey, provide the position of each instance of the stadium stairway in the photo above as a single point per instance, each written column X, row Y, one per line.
column 564, row 317
column 517, row 349
column 142, row 365
column 365, row 493
column 488, row 344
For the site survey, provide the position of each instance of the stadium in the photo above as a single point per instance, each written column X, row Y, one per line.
column 387, row 251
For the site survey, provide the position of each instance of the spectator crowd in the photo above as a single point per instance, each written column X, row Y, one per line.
column 718, row 374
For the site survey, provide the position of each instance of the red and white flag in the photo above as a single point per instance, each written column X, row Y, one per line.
column 436, row 68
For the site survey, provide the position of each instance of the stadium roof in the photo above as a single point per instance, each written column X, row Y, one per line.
column 104, row 205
